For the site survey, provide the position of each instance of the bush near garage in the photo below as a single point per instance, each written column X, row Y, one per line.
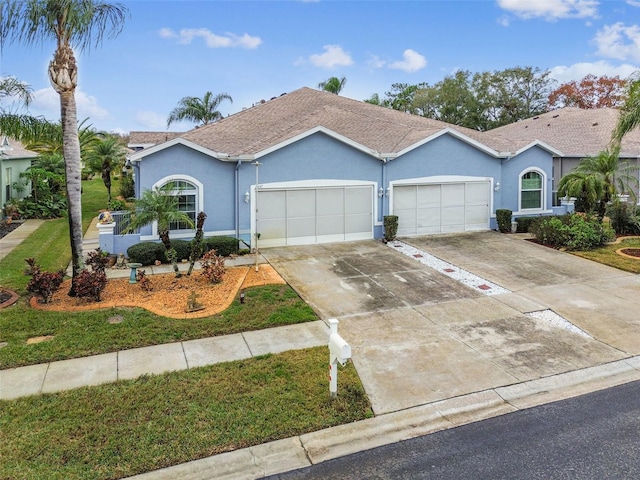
column 524, row 223
column 182, row 248
column 224, row 246
column 575, row 231
column 503, row 217
column 390, row 227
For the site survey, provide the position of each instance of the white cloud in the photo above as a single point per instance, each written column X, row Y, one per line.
column 376, row 62
column 333, row 56
column 151, row 120
column 551, row 9
column 46, row 102
column 411, row 61
column 633, row 3
column 578, row 71
column 619, row 41
column 186, row 36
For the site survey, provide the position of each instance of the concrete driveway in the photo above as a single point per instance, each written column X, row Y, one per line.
column 419, row 336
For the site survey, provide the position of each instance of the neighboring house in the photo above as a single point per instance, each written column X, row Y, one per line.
column 575, row 133
column 14, row 159
column 329, row 168
column 141, row 140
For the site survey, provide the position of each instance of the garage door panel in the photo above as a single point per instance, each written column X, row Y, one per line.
column 330, row 201
column 440, row 208
column 315, row 215
column 272, row 204
column 357, row 201
column 301, row 203
column 331, row 225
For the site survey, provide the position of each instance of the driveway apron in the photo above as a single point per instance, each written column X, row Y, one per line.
column 419, row 336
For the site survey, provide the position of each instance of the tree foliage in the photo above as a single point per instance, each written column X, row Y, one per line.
column 590, row 92
column 198, row 110
column 480, row 101
column 629, row 118
column 105, row 155
column 333, row 85
column 11, row 87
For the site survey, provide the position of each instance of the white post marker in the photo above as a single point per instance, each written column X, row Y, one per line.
column 339, row 352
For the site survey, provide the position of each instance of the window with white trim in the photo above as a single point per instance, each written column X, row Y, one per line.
column 187, row 194
column 531, row 191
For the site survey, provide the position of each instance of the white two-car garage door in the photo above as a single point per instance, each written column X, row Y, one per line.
column 442, row 207
column 299, row 216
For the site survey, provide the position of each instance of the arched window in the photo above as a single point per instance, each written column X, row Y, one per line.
column 531, row 191
column 187, row 194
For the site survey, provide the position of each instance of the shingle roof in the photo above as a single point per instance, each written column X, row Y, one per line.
column 15, row 149
column 380, row 129
column 576, row 132
column 137, row 138
column 571, row 131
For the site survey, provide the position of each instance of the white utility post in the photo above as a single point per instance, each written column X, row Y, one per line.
column 339, row 352
column 257, row 164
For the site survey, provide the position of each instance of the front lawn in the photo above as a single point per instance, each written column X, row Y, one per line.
column 607, row 255
column 90, row 333
column 129, row 427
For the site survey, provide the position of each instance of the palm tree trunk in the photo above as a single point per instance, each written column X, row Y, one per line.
column 63, row 74
column 73, row 170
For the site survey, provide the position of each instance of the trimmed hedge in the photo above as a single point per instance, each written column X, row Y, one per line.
column 146, row 253
column 182, row 248
column 224, row 246
column 390, row 227
column 524, row 223
column 503, row 217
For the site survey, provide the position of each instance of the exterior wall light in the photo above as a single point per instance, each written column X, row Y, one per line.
column 497, row 187
column 381, row 192
column 247, row 197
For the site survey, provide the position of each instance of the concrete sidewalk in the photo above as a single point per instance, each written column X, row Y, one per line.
column 15, row 238
column 157, row 359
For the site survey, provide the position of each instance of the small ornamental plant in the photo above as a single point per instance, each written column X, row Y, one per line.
column 213, row 266
column 44, row 284
column 143, row 281
column 90, row 283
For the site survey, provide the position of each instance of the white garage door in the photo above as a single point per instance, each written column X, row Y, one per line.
column 441, row 207
column 314, row 215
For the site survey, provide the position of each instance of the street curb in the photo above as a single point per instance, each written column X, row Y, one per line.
column 298, row 452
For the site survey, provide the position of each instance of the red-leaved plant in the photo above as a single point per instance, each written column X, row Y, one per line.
column 213, row 266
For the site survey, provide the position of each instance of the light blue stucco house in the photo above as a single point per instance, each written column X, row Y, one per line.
column 315, row 167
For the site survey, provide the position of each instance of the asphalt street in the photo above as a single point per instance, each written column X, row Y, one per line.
column 594, row 436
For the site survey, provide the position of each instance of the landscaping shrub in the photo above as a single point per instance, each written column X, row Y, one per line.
column 90, row 284
column 224, row 246
column 524, row 223
column 45, row 284
column 146, row 253
column 573, row 231
column 127, row 188
column 117, row 205
column 390, row 227
column 182, row 248
column 213, row 266
column 503, row 217
column 624, row 218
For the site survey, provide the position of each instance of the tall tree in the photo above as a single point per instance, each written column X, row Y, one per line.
column 198, row 110
column 161, row 207
column 12, row 87
column 590, row 92
column 70, row 23
column 104, row 155
column 333, row 85
column 629, row 117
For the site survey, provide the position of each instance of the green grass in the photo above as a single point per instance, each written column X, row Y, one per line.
column 129, row 427
column 50, row 244
column 607, row 255
column 89, row 333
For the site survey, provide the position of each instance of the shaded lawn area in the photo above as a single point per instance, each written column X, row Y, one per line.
column 129, row 427
column 607, row 255
column 90, row 333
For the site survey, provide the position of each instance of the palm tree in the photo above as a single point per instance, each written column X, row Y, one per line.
column 160, row 206
column 199, row 110
column 12, row 87
column 333, row 85
column 597, row 180
column 70, row 23
column 629, row 118
column 104, row 155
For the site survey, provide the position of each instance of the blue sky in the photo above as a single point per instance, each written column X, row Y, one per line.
column 258, row 50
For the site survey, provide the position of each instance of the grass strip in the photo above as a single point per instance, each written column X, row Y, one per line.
column 130, row 427
column 90, row 333
column 607, row 255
